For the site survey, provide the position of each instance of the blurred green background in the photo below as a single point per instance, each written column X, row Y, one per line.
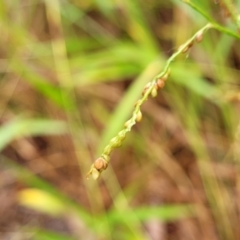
column 71, row 72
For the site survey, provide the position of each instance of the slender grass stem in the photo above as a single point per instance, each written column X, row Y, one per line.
column 210, row 20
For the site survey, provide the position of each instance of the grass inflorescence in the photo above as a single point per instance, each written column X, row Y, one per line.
column 150, row 89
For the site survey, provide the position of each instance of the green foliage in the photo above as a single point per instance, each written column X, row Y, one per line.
column 41, row 234
column 91, row 61
column 29, row 127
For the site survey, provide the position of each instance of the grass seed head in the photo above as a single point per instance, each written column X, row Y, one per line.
column 154, row 92
column 199, row 37
column 139, row 116
column 160, row 83
column 100, row 164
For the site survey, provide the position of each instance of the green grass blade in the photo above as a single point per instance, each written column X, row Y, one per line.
column 164, row 213
column 42, row 234
column 29, row 127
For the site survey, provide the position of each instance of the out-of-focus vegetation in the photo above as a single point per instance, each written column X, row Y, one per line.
column 71, row 72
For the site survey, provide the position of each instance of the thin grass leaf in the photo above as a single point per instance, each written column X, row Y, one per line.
column 192, row 79
column 41, row 201
column 106, row 74
column 164, row 213
column 29, row 127
column 42, row 234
